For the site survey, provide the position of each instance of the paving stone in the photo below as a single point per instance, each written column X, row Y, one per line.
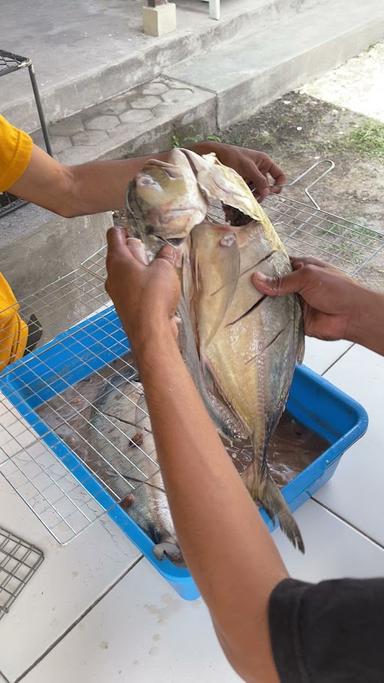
column 145, row 102
column 78, row 154
column 136, row 115
column 60, row 143
column 178, row 95
column 155, row 88
column 102, row 123
column 89, row 137
column 161, row 110
column 114, row 106
column 69, row 126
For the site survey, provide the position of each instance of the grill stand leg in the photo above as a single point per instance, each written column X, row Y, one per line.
column 39, row 107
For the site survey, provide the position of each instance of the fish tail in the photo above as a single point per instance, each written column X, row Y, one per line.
column 274, row 504
column 264, row 490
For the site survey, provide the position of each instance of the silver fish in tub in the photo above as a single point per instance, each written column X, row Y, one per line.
column 241, row 347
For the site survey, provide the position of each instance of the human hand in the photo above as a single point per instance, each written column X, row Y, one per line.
column 332, row 302
column 257, row 168
column 145, row 296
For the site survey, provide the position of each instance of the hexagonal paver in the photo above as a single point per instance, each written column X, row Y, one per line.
column 60, row 143
column 178, row 95
column 114, row 106
column 69, row 126
column 102, row 123
column 136, row 116
column 145, row 102
column 89, row 137
column 155, row 88
column 76, row 155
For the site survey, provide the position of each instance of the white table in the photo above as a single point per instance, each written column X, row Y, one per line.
column 95, row 612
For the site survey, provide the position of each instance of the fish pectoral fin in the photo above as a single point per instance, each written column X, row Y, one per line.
column 211, row 306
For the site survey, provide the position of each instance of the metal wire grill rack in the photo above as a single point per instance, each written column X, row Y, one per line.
column 10, row 62
column 18, row 563
column 102, row 418
column 43, row 482
column 307, row 231
column 81, row 391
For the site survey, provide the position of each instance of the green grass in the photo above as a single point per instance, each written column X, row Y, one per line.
column 178, row 141
column 367, row 139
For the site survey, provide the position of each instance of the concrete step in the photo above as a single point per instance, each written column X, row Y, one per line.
column 142, row 120
column 36, row 247
column 281, row 56
column 89, row 54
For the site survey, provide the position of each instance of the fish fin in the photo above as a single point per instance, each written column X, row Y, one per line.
column 227, row 264
column 277, row 509
column 300, row 332
column 265, row 491
column 219, row 182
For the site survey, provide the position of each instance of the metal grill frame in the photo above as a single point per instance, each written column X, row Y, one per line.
column 19, row 561
column 350, row 234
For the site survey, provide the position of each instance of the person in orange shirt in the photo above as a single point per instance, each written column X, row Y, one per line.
column 28, row 172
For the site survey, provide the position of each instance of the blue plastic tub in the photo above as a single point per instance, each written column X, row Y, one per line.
column 90, row 345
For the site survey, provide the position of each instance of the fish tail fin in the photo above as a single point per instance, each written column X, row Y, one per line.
column 273, row 501
column 264, row 490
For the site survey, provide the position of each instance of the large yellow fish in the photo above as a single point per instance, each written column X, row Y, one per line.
column 241, row 347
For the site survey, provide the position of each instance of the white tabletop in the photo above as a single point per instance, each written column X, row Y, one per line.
column 67, row 584
column 355, row 492
column 112, row 618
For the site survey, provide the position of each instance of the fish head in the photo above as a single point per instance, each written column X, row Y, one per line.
column 165, row 202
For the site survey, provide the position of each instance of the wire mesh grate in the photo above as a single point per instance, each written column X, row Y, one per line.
column 101, row 418
column 10, row 62
column 18, row 563
column 43, row 482
column 307, row 231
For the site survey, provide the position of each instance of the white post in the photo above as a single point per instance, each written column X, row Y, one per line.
column 159, row 17
column 214, row 9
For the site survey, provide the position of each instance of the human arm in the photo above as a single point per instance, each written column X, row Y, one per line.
column 227, row 546
column 101, row 185
column 334, row 305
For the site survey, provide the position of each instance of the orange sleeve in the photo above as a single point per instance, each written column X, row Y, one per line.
column 15, row 153
column 13, row 330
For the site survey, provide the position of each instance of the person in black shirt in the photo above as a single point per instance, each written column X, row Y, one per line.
column 271, row 627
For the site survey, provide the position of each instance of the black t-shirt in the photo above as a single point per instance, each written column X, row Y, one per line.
column 331, row 632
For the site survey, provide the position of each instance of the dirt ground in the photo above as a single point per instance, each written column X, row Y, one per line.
column 296, row 131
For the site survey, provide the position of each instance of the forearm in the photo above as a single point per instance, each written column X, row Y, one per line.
column 80, row 189
column 102, row 185
column 77, row 190
column 367, row 325
column 225, row 542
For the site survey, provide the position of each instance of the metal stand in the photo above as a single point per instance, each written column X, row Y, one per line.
column 10, row 63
